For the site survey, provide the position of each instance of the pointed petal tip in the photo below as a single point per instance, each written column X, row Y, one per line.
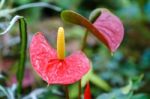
column 111, row 28
column 87, row 92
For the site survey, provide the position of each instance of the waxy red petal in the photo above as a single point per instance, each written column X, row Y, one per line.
column 50, row 68
column 111, row 27
column 40, row 53
column 69, row 70
column 87, row 92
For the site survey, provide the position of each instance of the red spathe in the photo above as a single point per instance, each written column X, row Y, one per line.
column 111, row 28
column 87, row 92
column 54, row 71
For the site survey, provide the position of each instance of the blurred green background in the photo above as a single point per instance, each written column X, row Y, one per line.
column 128, row 63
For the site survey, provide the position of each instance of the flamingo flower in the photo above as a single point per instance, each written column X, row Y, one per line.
column 52, row 65
column 106, row 26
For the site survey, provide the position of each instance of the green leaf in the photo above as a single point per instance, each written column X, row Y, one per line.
column 73, row 91
column 94, row 14
column 4, row 91
column 137, row 81
column 133, row 85
column 86, row 78
column 99, row 82
column 126, row 89
column 141, row 96
column 115, row 94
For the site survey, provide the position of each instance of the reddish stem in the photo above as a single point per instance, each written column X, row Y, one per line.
column 66, row 91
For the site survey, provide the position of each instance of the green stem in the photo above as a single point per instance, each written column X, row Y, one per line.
column 79, row 87
column 84, row 40
column 37, row 4
column 22, row 50
column 66, row 91
column 22, row 58
column 82, row 48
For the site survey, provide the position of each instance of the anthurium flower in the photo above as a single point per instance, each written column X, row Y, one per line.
column 111, row 28
column 87, row 92
column 106, row 26
column 52, row 65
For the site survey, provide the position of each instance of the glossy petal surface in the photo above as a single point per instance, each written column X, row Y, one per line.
column 40, row 53
column 111, row 27
column 50, row 68
column 69, row 70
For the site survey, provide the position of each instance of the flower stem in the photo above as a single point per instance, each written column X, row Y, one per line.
column 66, row 91
column 84, row 40
column 79, row 87
column 82, row 48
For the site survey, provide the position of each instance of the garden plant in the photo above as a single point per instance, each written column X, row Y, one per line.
column 69, row 75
